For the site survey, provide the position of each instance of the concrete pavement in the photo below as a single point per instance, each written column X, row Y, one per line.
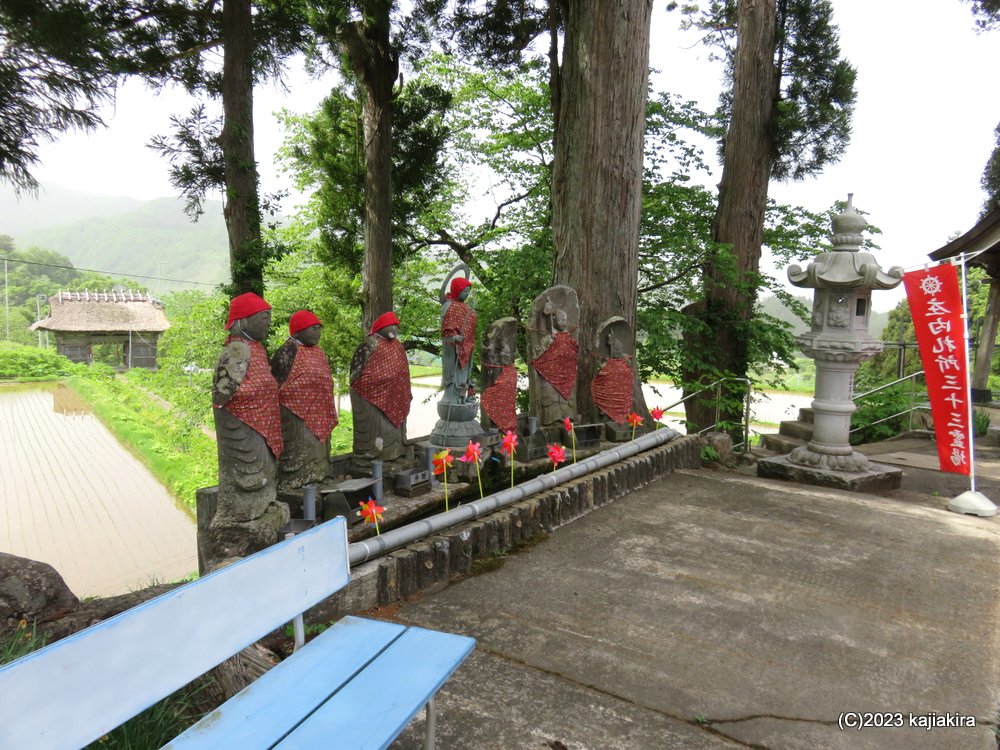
column 715, row 610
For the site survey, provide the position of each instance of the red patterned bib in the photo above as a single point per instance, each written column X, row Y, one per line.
column 461, row 319
column 499, row 400
column 308, row 391
column 385, row 381
column 612, row 389
column 255, row 402
column 557, row 364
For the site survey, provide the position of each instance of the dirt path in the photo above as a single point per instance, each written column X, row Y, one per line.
column 71, row 496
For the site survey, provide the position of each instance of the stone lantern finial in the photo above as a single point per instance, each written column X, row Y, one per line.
column 848, row 226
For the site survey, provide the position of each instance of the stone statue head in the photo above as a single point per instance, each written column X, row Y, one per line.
column 249, row 316
column 305, row 327
column 614, row 338
column 386, row 325
column 254, row 327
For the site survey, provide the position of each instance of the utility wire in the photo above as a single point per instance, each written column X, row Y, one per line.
column 107, row 273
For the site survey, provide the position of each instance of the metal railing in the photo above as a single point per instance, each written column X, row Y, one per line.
column 908, row 411
column 745, row 445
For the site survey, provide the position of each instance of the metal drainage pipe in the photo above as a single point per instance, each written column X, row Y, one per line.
column 377, row 546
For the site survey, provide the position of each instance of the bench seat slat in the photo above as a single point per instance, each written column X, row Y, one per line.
column 371, row 710
column 265, row 711
column 76, row 690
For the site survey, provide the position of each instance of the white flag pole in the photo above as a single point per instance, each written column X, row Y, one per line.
column 972, row 502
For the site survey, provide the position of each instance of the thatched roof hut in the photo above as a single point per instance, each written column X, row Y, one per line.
column 131, row 321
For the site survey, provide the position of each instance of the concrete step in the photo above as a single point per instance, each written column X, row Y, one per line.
column 780, row 444
column 806, row 415
column 799, row 430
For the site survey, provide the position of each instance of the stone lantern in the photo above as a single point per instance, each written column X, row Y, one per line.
column 843, row 279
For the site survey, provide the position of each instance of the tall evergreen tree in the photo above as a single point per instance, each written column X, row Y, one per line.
column 178, row 41
column 987, row 13
column 371, row 37
column 54, row 75
column 788, row 110
column 598, row 88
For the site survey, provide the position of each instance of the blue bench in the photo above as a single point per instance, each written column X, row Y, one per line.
column 357, row 685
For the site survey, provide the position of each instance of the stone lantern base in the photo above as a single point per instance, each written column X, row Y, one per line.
column 874, row 478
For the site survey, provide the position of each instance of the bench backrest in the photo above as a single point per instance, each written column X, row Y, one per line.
column 77, row 689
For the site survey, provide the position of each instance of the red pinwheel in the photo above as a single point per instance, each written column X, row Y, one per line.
column 442, row 461
column 656, row 413
column 472, row 454
column 507, row 447
column 568, row 424
column 557, row 454
column 509, row 443
column 635, row 420
column 371, row 512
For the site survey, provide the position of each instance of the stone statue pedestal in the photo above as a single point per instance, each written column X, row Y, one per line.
column 622, row 433
column 457, row 425
column 874, row 478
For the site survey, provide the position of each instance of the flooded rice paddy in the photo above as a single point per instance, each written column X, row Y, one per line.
column 72, row 496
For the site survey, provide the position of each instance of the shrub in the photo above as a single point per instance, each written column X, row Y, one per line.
column 20, row 362
column 876, row 407
column 980, row 422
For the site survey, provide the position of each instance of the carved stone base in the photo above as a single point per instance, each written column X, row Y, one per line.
column 805, row 456
column 875, row 478
column 455, row 434
column 221, row 539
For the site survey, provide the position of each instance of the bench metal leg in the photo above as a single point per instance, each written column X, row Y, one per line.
column 431, row 725
column 299, row 628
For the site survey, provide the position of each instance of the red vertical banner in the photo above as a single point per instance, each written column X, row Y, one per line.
column 936, row 306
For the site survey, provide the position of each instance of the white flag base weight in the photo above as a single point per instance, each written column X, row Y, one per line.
column 972, row 503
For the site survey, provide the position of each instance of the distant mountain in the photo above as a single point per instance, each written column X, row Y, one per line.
column 122, row 236
column 55, row 205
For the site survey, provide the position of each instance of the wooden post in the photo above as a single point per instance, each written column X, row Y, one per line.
column 984, row 353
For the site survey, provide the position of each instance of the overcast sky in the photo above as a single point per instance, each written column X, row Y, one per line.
column 923, row 125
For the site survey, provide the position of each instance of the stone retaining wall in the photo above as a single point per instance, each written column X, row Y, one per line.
column 428, row 565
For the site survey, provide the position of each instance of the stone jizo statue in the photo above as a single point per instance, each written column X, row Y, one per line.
column 380, row 395
column 553, row 353
column 306, row 395
column 458, row 339
column 611, row 389
column 499, row 397
column 248, row 429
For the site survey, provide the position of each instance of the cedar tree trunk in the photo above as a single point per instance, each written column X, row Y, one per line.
column 242, row 209
column 597, row 173
column 376, row 66
column 731, row 283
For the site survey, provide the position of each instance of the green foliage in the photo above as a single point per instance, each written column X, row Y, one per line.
column 880, row 406
column 21, row 641
column 987, row 13
column 326, row 155
column 991, row 177
column 709, row 454
column 811, row 120
column 980, row 422
column 53, row 77
column 196, row 331
column 20, row 362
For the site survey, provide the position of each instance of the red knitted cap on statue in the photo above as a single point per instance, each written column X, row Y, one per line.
column 301, row 320
column 244, row 306
column 457, row 285
column 383, row 320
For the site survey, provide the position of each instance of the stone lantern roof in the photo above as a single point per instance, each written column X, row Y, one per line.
column 846, row 266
